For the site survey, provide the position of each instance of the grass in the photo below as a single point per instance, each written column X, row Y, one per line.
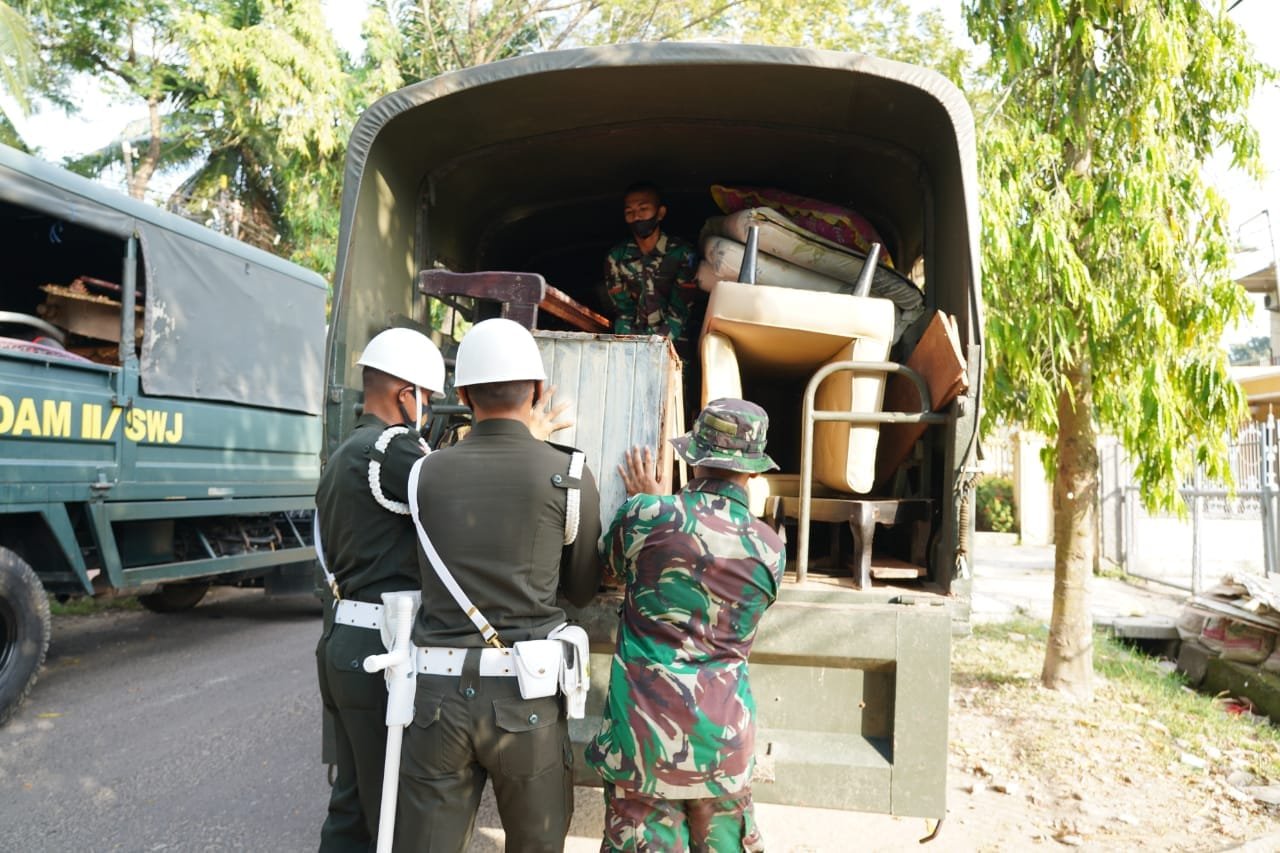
column 1002, row 663
column 1191, row 717
column 84, row 606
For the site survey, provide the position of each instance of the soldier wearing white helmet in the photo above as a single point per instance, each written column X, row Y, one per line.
column 506, row 522
column 365, row 541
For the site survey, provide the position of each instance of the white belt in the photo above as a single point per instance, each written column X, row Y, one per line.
column 442, row 660
column 358, row 614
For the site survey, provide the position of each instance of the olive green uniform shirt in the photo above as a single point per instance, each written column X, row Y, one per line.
column 496, row 518
column 369, row 549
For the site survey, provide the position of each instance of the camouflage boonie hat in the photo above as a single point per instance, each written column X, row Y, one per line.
column 729, row 434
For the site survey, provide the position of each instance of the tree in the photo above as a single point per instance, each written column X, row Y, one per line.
column 430, row 37
column 1105, row 255
column 17, row 67
column 880, row 27
column 249, row 97
column 1253, row 351
column 131, row 48
column 270, row 108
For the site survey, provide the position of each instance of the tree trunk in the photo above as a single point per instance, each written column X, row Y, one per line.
column 1068, row 660
column 151, row 159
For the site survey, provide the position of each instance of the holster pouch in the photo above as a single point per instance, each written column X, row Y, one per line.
column 401, row 676
column 575, row 674
column 538, row 667
column 388, row 626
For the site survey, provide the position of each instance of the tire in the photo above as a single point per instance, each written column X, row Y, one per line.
column 25, row 627
column 174, row 597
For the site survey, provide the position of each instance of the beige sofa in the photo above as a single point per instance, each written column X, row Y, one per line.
column 792, row 333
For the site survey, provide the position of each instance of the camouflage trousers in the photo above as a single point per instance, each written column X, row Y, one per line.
column 636, row 823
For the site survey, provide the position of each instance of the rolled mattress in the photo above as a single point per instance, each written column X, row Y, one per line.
column 790, row 257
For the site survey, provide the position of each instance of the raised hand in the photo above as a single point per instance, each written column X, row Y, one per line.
column 549, row 417
column 639, row 472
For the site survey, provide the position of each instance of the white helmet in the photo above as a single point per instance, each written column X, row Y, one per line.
column 497, row 351
column 408, row 355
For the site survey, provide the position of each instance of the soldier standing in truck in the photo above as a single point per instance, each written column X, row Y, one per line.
column 677, row 740
column 650, row 276
column 651, row 282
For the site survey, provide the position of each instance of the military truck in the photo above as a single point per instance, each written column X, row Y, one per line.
column 497, row 189
column 160, row 401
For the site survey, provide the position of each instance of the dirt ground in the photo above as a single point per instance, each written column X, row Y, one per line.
column 1029, row 766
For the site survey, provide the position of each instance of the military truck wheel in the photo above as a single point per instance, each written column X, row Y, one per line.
column 174, row 597
column 24, row 630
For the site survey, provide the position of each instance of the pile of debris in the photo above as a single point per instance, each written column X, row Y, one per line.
column 1229, row 641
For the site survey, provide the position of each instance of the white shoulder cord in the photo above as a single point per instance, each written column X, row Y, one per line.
column 375, row 471
column 477, row 618
column 571, row 508
column 375, row 488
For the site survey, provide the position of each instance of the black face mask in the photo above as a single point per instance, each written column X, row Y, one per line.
column 643, row 227
column 407, row 419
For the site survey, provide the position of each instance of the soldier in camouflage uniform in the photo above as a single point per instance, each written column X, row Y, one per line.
column 650, row 277
column 677, row 741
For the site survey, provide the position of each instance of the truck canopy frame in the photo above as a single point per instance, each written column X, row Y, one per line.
column 487, row 167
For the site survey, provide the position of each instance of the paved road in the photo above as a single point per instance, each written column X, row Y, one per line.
column 193, row 731
column 197, row 731
column 1012, row 581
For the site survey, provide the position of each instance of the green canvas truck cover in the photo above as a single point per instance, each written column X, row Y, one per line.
column 494, row 160
column 201, row 289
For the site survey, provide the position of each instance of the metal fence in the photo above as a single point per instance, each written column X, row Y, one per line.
column 997, row 453
column 1225, row 530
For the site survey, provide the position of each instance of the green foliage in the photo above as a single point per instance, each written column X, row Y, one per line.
column 275, row 106
column 254, row 100
column 9, row 134
column 17, row 57
column 1105, row 255
column 993, row 497
column 882, row 28
column 132, row 52
column 420, row 39
column 1254, row 351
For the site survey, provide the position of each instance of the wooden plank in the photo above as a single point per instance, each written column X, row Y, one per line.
column 938, row 358
column 87, row 314
column 559, row 304
column 886, row 512
column 889, row 568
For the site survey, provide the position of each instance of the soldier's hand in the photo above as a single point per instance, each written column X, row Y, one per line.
column 639, row 472
column 549, row 417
